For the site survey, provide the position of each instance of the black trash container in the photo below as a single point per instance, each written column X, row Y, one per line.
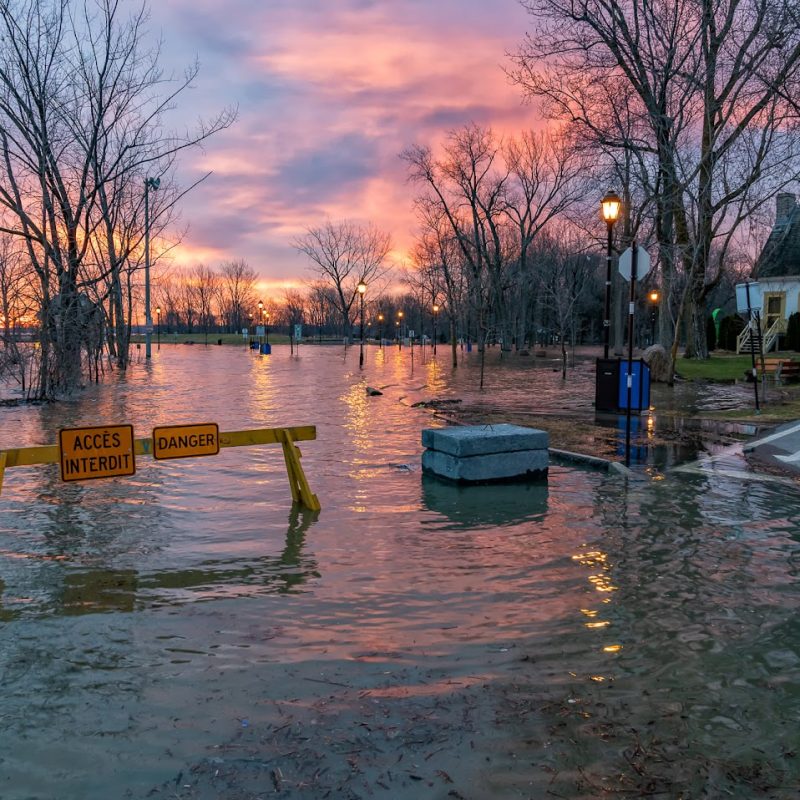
column 606, row 394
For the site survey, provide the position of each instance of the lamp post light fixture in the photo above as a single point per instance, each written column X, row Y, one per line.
column 654, row 297
column 380, row 328
column 158, row 326
column 609, row 211
column 400, row 324
column 362, row 290
column 435, row 315
column 150, row 184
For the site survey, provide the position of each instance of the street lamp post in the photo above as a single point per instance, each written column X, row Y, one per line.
column 435, row 314
column 261, row 319
column 266, row 326
column 158, row 326
column 654, row 297
column 609, row 212
column 380, row 328
column 400, row 324
column 362, row 289
column 150, row 184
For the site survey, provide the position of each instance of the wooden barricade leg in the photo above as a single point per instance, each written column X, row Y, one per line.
column 298, row 483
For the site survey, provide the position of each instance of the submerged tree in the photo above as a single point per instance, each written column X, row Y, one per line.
column 82, row 101
column 482, row 204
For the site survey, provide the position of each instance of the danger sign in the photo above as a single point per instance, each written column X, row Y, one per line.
column 186, row 441
column 104, row 451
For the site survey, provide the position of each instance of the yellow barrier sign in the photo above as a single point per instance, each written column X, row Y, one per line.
column 108, row 450
column 186, row 441
column 103, row 451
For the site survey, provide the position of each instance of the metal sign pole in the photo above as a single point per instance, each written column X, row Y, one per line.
column 752, row 342
column 631, row 306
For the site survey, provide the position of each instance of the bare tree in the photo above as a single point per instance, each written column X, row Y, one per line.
column 321, row 305
column 81, row 112
column 18, row 305
column 343, row 254
column 712, row 91
column 205, row 288
column 548, row 176
column 467, row 187
column 237, row 293
column 439, row 265
column 565, row 272
column 488, row 200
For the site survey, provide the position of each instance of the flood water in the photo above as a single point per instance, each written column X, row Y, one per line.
column 186, row 633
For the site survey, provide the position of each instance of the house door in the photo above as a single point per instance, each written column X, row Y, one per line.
column 774, row 308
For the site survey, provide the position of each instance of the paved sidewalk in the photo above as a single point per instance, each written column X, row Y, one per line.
column 780, row 448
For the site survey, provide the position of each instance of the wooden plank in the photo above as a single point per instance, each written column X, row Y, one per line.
column 303, row 433
column 26, row 456
column 49, row 454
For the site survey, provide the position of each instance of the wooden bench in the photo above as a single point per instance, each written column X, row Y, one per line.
column 782, row 369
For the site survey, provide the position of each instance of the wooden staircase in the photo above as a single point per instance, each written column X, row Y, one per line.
column 747, row 340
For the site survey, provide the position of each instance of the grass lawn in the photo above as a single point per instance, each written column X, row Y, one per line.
column 719, row 367
column 782, row 400
column 200, row 338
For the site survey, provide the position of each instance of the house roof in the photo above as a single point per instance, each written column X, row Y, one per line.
column 781, row 254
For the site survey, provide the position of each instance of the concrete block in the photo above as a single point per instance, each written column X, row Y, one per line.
column 517, row 465
column 476, row 440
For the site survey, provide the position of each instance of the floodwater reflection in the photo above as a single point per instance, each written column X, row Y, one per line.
column 68, row 587
column 471, row 507
column 187, row 626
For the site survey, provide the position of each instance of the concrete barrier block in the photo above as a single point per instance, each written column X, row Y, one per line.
column 475, row 440
column 517, row 465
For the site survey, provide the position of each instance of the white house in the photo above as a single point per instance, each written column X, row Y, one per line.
column 776, row 292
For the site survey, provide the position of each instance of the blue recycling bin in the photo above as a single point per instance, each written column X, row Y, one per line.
column 640, row 385
column 265, row 349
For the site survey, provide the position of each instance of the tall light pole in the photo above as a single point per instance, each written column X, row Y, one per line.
column 261, row 319
column 654, row 297
column 362, row 290
column 400, row 324
column 266, row 325
column 380, row 327
column 435, row 314
column 150, row 184
column 158, row 325
column 609, row 211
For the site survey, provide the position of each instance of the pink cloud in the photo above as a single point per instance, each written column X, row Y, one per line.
column 329, row 94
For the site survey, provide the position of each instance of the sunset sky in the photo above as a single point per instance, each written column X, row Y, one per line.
column 329, row 93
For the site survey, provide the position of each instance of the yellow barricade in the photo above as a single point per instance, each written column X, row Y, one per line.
column 286, row 437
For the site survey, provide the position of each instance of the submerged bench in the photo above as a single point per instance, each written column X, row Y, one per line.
column 485, row 453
